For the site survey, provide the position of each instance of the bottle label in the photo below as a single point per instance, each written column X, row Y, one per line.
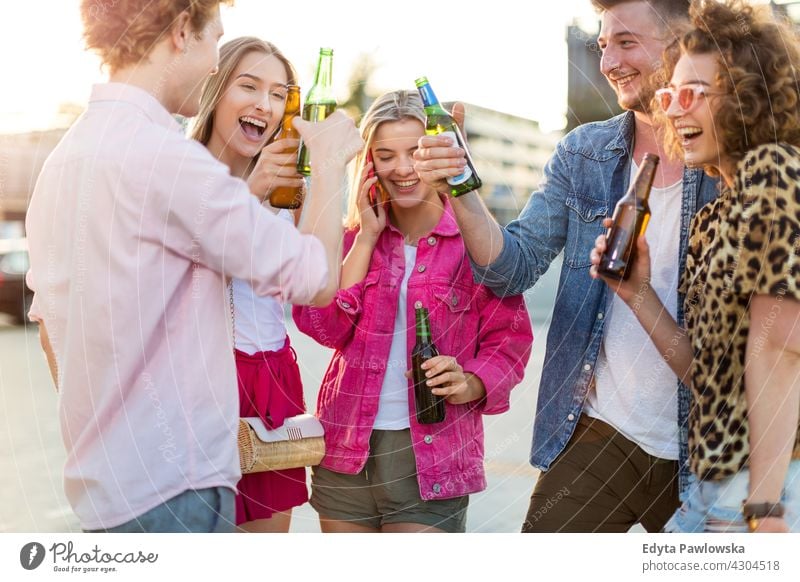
column 467, row 173
column 428, row 98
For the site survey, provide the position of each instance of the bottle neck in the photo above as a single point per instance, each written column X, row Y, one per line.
column 423, row 326
column 643, row 180
column 292, row 104
column 429, row 99
column 427, row 95
column 322, row 89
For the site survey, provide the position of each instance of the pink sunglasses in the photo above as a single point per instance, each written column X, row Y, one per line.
column 686, row 95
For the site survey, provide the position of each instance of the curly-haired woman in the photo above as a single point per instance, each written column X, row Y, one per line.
column 733, row 107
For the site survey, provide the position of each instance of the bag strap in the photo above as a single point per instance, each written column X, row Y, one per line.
column 233, row 316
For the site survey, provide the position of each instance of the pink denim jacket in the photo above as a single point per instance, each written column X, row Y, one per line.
column 489, row 337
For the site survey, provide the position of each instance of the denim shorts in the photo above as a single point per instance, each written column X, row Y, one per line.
column 716, row 506
column 209, row 510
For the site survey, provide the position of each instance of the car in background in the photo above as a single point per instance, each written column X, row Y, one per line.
column 15, row 296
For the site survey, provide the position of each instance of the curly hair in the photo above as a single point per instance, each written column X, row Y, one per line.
column 123, row 32
column 758, row 57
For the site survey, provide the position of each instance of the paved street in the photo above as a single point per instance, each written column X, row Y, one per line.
column 32, row 459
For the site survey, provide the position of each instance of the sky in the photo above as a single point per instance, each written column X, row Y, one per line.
column 512, row 57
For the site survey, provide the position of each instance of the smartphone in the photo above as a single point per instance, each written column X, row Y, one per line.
column 375, row 190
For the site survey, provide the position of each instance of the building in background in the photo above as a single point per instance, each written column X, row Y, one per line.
column 589, row 96
column 509, row 153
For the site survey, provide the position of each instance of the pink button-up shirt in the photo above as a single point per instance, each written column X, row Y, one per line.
column 132, row 231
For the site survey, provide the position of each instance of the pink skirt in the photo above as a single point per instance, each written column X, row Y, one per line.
column 270, row 388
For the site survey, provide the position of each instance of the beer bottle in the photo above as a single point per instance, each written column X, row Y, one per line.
column 440, row 122
column 288, row 196
column 320, row 103
column 430, row 408
column 631, row 216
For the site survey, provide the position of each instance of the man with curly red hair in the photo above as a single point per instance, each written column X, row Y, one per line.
column 133, row 232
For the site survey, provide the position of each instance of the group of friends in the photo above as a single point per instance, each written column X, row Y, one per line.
column 160, row 272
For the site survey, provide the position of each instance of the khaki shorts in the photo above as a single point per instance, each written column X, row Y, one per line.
column 385, row 491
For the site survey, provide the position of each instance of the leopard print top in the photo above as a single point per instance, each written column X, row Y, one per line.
column 746, row 242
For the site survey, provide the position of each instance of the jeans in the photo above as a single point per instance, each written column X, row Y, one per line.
column 716, row 506
column 209, row 510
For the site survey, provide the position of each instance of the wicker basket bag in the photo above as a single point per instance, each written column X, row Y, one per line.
column 299, row 442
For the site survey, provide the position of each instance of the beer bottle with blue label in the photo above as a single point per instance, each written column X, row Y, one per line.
column 440, row 122
column 320, row 103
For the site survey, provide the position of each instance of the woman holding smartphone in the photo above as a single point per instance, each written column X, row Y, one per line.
column 384, row 471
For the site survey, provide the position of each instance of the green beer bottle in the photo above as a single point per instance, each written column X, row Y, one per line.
column 429, row 407
column 440, row 122
column 631, row 215
column 320, row 103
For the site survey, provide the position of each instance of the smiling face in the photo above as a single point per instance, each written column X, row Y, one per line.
column 694, row 122
column 393, row 146
column 251, row 106
column 632, row 41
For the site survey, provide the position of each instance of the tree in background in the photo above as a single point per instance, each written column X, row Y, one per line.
column 359, row 100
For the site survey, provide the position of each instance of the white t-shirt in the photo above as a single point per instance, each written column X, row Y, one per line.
column 259, row 322
column 393, row 407
column 635, row 389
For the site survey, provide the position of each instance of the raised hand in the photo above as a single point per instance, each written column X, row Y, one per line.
column 438, row 158
column 333, row 142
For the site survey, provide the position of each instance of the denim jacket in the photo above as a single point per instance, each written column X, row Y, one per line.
column 490, row 337
column 583, row 180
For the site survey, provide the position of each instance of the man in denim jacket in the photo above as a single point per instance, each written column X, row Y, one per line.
column 610, row 428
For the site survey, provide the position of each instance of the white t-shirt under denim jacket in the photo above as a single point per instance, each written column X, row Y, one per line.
column 635, row 389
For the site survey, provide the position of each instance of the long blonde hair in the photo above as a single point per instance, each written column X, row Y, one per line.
column 392, row 106
column 230, row 55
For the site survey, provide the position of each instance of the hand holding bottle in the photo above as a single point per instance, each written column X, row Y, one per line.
column 634, row 289
column 438, row 158
column 447, row 378
column 275, row 167
column 333, row 142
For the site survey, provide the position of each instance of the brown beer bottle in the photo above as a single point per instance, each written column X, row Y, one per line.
column 631, row 216
column 288, row 196
column 430, row 408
